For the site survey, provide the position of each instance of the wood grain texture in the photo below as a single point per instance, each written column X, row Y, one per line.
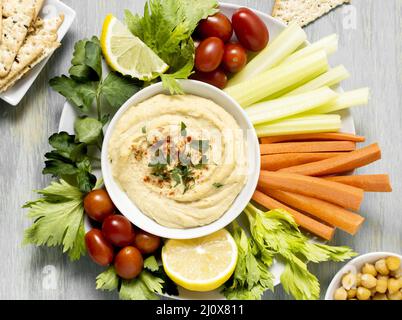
column 372, row 52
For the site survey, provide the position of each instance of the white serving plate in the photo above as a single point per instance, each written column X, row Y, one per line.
column 51, row 8
column 69, row 114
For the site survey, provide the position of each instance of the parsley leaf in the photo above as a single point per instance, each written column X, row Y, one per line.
column 69, row 160
column 80, row 95
column 88, row 130
column 58, row 219
column 166, row 27
column 151, row 264
column 117, row 89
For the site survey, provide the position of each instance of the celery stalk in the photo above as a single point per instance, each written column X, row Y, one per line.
column 273, row 110
column 281, row 47
column 344, row 101
column 300, row 125
column 277, row 79
column 329, row 44
column 327, row 79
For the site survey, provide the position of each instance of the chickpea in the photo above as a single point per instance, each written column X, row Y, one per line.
column 340, row 294
column 393, row 263
column 380, row 296
column 368, row 281
column 397, row 273
column 381, row 267
column 352, row 294
column 363, row 293
column 373, row 291
column 393, row 285
column 382, row 284
column 349, row 281
column 369, row 268
column 396, row 296
column 358, row 279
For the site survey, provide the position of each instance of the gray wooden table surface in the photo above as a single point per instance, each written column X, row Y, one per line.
column 370, row 47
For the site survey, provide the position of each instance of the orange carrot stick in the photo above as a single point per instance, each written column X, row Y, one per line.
column 305, row 222
column 339, row 164
column 369, row 183
column 274, row 162
column 297, row 147
column 337, row 136
column 332, row 214
column 334, row 192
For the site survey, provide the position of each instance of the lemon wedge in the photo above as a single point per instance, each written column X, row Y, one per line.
column 127, row 54
column 201, row 264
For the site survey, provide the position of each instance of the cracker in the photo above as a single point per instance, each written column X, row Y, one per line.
column 1, row 19
column 37, row 46
column 15, row 29
column 303, row 12
column 12, row 6
column 51, row 47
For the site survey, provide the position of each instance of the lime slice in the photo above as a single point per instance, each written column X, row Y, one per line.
column 201, row 264
column 127, row 54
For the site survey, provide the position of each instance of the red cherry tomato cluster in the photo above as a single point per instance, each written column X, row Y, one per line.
column 216, row 56
column 117, row 241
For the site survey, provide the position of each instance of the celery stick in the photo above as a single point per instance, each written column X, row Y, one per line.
column 300, row 125
column 281, row 47
column 329, row 44
column 328, row 79
column 344, row 101
column 285, row 107
column 277, row 79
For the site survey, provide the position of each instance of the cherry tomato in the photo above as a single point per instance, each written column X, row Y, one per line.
column 118, row 230
column 146, row 242
column 128, row 263
column 99, row 249
column 216, row 78
column 98, row 205
column 217, row 25
column 250, row 29
column 208, row 55
column 234, row 58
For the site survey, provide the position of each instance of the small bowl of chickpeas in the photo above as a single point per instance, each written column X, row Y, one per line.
column 371, row 276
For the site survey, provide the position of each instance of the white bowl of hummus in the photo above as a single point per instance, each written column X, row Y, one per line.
column 181, row 166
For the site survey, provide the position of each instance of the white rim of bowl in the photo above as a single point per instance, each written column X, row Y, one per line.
column 148, row 224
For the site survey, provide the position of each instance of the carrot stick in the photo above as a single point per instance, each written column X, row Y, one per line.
column 297, row 147
column 369, row 183
column 337, row 136
column 307, row 223
column 332, row 214
column 274, row 162
column 334, row 192
column 339, row 164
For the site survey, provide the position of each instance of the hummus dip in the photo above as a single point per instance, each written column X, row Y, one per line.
column 180, row 159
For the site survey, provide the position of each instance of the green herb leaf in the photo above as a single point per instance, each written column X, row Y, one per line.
column 107, row 280
column 151, row 264
column 93, row 56
column 183, row 130
column 117, row 89
column 80, row 95
column 88, row 130
column 142, row 288
column 87, row 61
column 276, row 233
column 58, row 219
column 144, row 129
column 217, row 185
column 251, row 277
column 166, row 27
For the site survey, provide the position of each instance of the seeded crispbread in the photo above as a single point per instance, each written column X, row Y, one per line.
column 37, row 46
column 15, row 29
column 12, row 6
column 303, row 12
column 1, row 19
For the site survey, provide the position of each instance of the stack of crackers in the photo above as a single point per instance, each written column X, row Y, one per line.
column 26, row 39
column 303, row 12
